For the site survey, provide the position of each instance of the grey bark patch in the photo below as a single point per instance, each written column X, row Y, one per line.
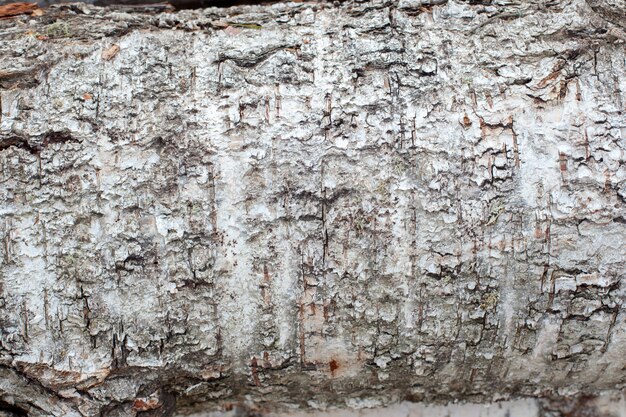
column 331, row 206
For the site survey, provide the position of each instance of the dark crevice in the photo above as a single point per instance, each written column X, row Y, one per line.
column 18, row 142
column 23, row 78
column 12, row 409
column 38, row 144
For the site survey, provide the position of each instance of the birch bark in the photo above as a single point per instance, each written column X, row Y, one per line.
column 311, row 205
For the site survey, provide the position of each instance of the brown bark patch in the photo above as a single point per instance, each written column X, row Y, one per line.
column 16, row 9
column 145, row 404
column 333, row 365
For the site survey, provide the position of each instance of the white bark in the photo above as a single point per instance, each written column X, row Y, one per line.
column 316, row 206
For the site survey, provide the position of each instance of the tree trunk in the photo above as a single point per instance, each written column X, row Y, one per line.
column 311, row 205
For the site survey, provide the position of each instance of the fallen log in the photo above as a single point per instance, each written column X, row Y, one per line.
column 303, row 205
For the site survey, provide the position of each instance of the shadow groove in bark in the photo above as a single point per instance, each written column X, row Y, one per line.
column 12, row 410
column 35, row 147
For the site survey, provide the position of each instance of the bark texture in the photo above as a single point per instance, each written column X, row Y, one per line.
column 306, row 206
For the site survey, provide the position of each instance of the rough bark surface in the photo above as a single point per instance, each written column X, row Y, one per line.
column 306, row 206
